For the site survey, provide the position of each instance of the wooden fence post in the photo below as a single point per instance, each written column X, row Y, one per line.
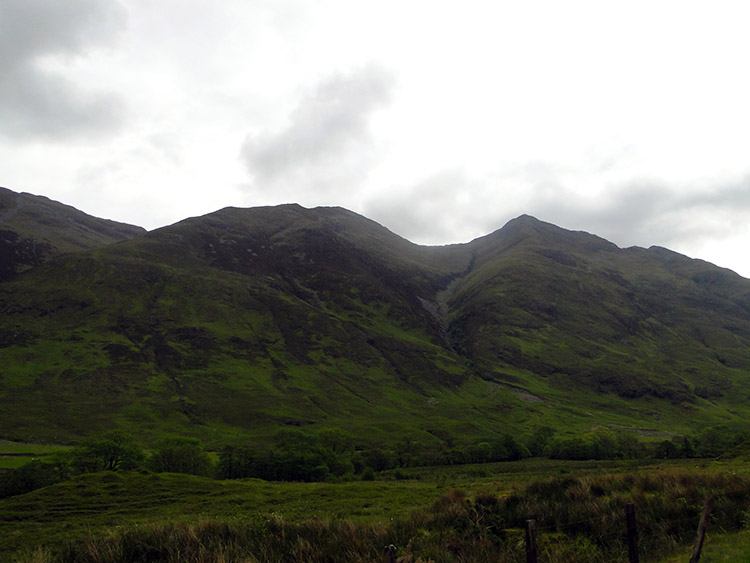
column 531, row 541
column 702, row 529
column 632, row 533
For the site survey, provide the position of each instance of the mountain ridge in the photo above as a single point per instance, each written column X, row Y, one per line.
column 241, row 321
column 35, row 228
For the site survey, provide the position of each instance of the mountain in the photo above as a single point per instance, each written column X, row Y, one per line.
column 234, row 324
column 34, row 228
column 579, row 312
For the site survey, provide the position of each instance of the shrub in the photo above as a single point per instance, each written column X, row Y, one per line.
column 180, row 455
column 29, row 477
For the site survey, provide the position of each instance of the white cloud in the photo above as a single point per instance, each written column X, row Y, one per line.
column 36, row 36
column 629, row 121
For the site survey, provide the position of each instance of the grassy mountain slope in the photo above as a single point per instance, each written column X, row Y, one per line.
column 33, row 228
column 566, row 312
column 237, row 323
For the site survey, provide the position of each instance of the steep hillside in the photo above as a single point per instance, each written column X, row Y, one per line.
column 33, row 228
column 240, row 322
column 546, row 307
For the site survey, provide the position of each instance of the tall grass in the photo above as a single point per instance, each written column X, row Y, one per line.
column 578, row 519
column 216, row 541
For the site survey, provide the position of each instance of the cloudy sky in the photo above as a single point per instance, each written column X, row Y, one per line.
column 441, row 120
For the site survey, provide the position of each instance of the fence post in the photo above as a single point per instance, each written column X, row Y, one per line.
column 531, row 541
column 702, row 529
column 632, row 533
column 389, row 554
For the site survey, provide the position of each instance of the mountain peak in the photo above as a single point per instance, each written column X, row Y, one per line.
column 524, row 219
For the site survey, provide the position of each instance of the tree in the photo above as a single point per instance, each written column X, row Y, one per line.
column 603, row 443
column 479, row 453
column 378, row 459
column 236, row 462
column 180, row 455
column 666, row 449
column 569, row 448
column 112, row 451
column 336, row 440
column 514, row 448
column 295, row 441
column 629, row 445
column 405, row 451
column 456, row 456
column 539, row 439
column 686, row 447
column 715, row 441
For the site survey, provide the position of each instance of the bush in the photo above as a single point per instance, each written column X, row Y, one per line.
column 31, row 476
column 180, row 455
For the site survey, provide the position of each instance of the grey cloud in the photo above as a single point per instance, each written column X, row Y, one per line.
column 649, row 213
column 452, row 207
column 327, row 143
column 443, row 208
column 627, row 215
column 36, row 102
column 736, row 196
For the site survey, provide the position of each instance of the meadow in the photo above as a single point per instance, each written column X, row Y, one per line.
column 16, row 454
column 472, row 512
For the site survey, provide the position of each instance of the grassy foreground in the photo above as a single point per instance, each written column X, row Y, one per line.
column 467, row 513
column 724, row 548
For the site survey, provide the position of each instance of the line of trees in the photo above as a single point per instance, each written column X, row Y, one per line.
column 333, row 454
column 111, row 451
column 603, row 443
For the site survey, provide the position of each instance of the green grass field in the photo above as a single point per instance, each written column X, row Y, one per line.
column 104, row 506
column 718, row 548
column 16, row 454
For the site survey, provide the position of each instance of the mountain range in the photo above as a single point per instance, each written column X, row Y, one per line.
column 234, row 324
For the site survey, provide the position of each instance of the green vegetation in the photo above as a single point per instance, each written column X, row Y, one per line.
column 34, row 229
column 720, row 547
column 113, row 451
column 227, row 327
column 126, row 516
column 370, row 374
column 334, row 455
column 105, row 500
column 16, row 454
column 180, row 455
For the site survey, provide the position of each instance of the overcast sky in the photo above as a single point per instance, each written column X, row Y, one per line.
column 440, row 120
